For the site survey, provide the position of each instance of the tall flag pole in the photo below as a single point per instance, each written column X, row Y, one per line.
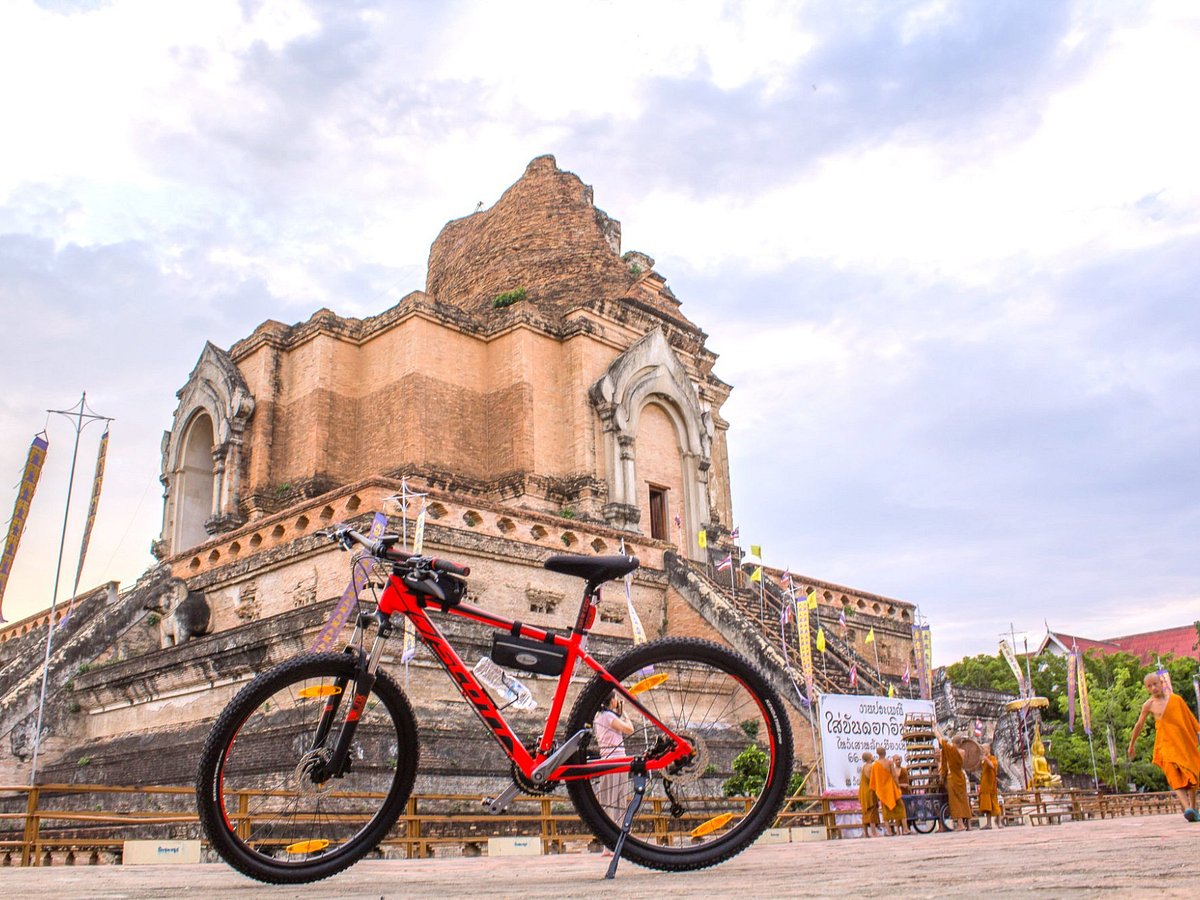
column 97, row 482
column 16, row 526
column 80, row 418
column 418, row 546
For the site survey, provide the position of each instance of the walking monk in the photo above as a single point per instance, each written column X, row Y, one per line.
column 989, row 797
column 887, row 789
column 866, row 797
column 1175, row 742
column 955, row 780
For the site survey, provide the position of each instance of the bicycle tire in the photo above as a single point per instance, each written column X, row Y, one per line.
column 923, row 826
column 255, row 759
column 711, row 695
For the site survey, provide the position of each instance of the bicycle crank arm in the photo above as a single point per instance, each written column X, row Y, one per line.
column 554, row 760
column 500, row 804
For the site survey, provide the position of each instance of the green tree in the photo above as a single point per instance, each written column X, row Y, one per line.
column 983, row 671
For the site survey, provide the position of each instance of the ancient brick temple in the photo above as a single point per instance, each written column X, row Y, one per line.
column 545, row 392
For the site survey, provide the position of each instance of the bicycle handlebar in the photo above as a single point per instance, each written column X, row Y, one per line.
column 385, row 549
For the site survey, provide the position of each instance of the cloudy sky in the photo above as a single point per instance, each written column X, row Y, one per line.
column 947, row 251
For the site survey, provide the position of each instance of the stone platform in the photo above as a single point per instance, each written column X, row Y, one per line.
column 1129, row 857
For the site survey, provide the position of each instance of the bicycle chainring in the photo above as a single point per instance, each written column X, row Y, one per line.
column 532, row 787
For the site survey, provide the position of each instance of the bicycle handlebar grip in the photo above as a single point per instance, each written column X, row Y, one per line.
column 443, row 565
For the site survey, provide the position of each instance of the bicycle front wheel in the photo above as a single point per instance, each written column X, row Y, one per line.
column 711, row 805
column 263, row 803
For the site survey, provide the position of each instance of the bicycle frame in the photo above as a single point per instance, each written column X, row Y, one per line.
column 398, row 598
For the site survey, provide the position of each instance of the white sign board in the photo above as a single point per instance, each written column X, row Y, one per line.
column 851, row 724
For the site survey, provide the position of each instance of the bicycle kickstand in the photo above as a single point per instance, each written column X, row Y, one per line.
column 639, row 792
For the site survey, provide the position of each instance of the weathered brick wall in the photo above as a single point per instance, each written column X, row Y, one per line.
column 543, row 235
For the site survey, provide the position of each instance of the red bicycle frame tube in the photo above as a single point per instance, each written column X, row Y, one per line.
column 397, row 598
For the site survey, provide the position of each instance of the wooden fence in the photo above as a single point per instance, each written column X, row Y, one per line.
column 89, row 823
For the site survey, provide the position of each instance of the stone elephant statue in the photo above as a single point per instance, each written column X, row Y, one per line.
column 184, row 614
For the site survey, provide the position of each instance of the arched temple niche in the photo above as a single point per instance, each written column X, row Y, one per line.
column 203, row 454
column 657, row 441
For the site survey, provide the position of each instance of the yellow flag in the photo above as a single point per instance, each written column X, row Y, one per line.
column 702, row 539
column 812, row 600
column 870, row 637
column 756, row 550
column 757, row 576
column 891, row 690
column 821, row 640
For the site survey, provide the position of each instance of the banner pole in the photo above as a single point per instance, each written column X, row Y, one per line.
column 78, row 424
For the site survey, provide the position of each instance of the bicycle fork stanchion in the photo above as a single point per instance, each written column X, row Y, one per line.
column 638, row 770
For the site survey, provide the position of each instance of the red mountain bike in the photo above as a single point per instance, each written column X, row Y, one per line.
column 310, row 765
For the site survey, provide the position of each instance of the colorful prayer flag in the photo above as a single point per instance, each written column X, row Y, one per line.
column 1072, row 683
column 16, row 526
column 358, row 580
column 97, row 481
column 1011, row 658
column 804, row 633
column 1085, row 709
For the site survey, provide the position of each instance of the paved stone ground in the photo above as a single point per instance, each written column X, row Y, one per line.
column 1132, row 857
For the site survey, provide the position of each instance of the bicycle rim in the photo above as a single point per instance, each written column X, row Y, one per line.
column 261, row 806
column 714, row 803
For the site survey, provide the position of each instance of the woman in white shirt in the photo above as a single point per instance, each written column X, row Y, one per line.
column 611, row 728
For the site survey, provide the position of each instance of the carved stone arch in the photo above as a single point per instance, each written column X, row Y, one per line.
column 649, row 371
column 215, row 390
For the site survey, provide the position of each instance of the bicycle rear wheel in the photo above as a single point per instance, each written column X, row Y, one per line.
column 259, row 803
column 713, row 804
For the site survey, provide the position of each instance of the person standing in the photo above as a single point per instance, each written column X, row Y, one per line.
column 955, row 779
column 989, row 796
column 611, row 728
column 1175, row 742
column 866, row 797
column 886, row 788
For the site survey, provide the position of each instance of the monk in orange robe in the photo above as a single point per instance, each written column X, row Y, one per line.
column 989, row 796
column 866, row 797
column 887, row 789
column 955, row 780
column 1175, row 742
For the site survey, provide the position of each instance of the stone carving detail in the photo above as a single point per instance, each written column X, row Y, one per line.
column 183, row 614
column 246, row 606
column 542, row 601
column 612, row 612
column 305, row 591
